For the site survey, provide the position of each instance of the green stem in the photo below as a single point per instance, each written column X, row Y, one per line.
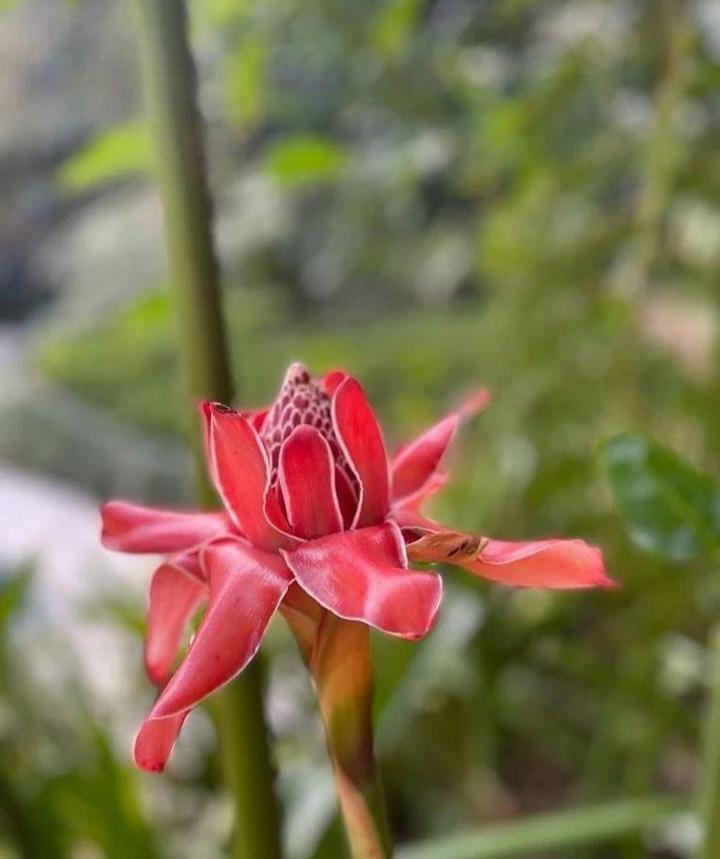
column 342, row 670
column 170, row 90
column 709, row 800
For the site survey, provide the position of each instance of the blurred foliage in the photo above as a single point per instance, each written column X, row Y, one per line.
column 115, row 154
column 520, row 193
column 669, row 507
column 61, row 786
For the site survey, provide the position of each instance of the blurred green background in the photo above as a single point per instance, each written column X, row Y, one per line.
column 431, row 194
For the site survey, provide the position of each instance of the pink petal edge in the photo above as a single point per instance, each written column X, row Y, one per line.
column 362, row 575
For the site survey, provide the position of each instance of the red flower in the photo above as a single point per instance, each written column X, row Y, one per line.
column 313, row 509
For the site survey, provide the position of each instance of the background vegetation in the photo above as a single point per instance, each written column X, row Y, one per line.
column 432, row 194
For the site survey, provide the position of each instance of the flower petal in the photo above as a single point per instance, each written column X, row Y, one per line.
column 246, row 587
column 362, row 575
column 565, row 564
column 174, row 597
column 239, row 467
column 133, row 528
column 346, row 496
column 307, row 478
column 155, row 741
column 416, row 463
column 362, row 443
column 332, row 379
column 415, row 500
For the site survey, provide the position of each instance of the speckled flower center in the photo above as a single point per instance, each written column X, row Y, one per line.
column 301, row 401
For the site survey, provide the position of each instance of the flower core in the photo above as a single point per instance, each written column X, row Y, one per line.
column 301, row 400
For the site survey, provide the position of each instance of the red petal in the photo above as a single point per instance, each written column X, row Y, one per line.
column 362, row 575
column 332, row 379
column 257, row 417
column 132, row 528
column 306, row 475
column 566, row 564
column 544, row 564
column 416, row 463
column 155, row 741
column 360, row 437
column 414, row 502
column 174, row 598
column 246, row 587
column 239, row 467
column 346, row 496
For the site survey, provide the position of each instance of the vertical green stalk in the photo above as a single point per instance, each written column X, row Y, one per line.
column 171, row 95
column 664, row 147
column 709, row 799
column 342, row 670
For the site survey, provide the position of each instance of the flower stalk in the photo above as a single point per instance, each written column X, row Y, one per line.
column 170, row 91
column 341, row 667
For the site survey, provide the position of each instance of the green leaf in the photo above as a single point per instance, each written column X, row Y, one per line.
column 302, row 159
column 124, row 150
column 13, row 591
column 571, row 829
column 396, row 26
column 669, row 507
column 245, row 83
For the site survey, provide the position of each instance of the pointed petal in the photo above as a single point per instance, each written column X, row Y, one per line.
column 416, row 463
column 362, row 443
column 413, row 502
column 307, row 480
column 246, row 587
column 362, row 575
column 565, row 564
column 133, row 528
column 332, row 379
column 240, row 470
column 257, row 417
column 174, row 598
column 155, row 741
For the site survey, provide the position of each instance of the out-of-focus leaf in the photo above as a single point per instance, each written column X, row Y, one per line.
column 302, row 159
column 396, row 25
column 669, row 507
column 593, row 824
column 245, row 83
column 102, row 802
column 13, row 589
column 118, row 153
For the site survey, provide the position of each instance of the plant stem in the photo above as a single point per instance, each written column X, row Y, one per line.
column 709, row 800
column 342, row 670
column 171, row 95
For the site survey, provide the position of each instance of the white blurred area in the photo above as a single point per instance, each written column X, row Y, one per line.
column 54, row 528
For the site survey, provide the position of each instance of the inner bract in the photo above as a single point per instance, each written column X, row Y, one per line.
column 302, row 401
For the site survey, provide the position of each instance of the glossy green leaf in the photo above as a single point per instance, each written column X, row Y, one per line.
column 668, row 506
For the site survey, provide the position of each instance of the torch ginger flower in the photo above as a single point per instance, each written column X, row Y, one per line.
column 317, row 520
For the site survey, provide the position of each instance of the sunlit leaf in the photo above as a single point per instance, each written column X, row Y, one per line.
column 304, row 159
column 122, row 151
column 669, row 507
column 245, row 83
column 396, row 25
